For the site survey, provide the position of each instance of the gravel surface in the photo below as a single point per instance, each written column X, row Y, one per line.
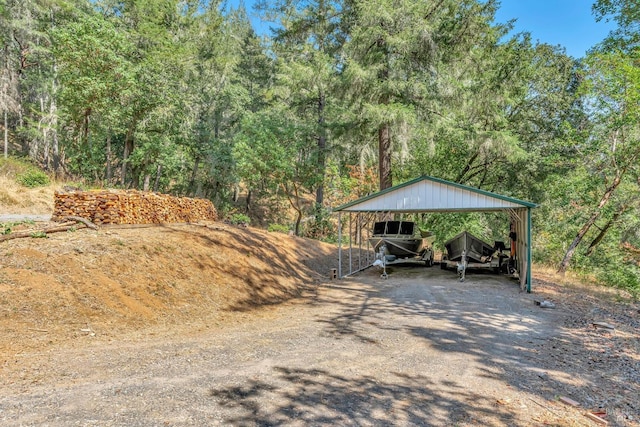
column 419, row 348
column 24, row 217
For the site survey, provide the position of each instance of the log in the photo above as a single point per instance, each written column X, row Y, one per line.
column 82, row 220
column 29, row 233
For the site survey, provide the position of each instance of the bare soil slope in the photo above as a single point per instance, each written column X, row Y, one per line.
column 174, row 279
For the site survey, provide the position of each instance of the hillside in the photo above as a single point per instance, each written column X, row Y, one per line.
column 143, row 280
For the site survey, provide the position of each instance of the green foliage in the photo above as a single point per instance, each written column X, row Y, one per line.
column 33, row 178
column 320, row 226
column 7, row 228
column 11, row 167
column 39, row 235
column 278, row 228
column 627, row 279
column 239, row 219
column 615, row 266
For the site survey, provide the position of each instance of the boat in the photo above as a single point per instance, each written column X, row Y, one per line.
column 401, row 239
column 474, row 249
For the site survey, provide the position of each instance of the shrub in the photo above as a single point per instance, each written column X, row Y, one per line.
column 12, row 166
column 622, row 278
column 33, row 178
column 320, row 226
column 278, row 228
column 240, row 219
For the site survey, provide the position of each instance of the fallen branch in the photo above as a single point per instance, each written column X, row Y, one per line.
column 82, row 220
column 33, row 233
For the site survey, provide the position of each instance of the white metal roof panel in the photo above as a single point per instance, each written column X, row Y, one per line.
column 427, row 194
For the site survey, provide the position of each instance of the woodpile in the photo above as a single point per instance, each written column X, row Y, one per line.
column 130, row 207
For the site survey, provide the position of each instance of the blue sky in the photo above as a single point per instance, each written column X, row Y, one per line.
column 568, row 23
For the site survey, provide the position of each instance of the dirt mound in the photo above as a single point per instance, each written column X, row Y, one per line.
column 176, row 279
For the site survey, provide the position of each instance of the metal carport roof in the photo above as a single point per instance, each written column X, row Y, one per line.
column 429, row 194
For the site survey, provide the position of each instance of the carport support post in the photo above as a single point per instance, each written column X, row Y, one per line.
column 340, row 245
column 529, row 250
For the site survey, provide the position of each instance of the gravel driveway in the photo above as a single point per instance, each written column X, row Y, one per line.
column 24, row 217
column 419, row 348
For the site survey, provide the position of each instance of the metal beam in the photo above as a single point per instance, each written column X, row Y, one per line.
column 340, row 245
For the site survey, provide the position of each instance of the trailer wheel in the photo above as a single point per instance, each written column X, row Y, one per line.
column 443, row 263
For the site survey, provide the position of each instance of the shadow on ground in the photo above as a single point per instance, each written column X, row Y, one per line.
column 318, row 397
column 485, row 324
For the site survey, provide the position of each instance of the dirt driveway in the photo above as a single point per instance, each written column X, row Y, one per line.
column 417, row 349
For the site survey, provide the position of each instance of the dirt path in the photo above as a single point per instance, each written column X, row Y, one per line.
column 417, row 349
column 24, row 217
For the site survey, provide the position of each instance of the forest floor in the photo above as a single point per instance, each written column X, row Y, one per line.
column 211, row 324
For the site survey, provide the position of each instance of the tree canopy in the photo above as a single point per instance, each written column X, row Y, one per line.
column 339, row 98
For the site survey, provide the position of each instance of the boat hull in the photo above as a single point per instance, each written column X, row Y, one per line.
column 474, row 248
column 400, row 247
column 402, row 239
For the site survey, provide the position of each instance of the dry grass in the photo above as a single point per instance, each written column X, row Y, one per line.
column 578, row 283
column 17, row 199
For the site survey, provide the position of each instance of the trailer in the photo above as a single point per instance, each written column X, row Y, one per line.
column 466, row 251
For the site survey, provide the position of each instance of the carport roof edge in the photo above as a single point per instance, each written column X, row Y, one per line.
column 521, row 203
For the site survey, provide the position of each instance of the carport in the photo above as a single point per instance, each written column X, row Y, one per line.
column 428, row 194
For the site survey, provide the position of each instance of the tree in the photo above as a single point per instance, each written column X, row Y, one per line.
column 94, row 72
column 308, row 44
column 612, row 89
column 394, row 55
column 231, row 77
column 9, row 102
column 626, row 14
column 273, row 152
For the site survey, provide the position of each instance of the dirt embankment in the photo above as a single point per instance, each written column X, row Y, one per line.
column 121, row 280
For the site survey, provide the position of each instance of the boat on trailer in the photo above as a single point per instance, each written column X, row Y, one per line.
column 466, row 251
column 402, row 240
column 470, row 246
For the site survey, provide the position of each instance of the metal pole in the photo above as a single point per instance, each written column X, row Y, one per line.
column 528, row 250
column 350, row 242
column 368, row 242
column 340, row 245
column 359, row 221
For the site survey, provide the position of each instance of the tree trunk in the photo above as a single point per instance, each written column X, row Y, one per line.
column 56, row 153
column 467, row 167
column 85, row 130
column 248, row 201
column 108, row 149
column 6, row 134
column 605, row 229
column 194, row 174
column 147, row 181
column 384, row 133
column 45, row 148
column 128, row 149
column 295, row 204
column 384, row 157
column 156, row 184
column 585, row 228
column 322, row 152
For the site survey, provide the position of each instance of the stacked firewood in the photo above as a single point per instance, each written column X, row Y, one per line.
column 130, row 207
